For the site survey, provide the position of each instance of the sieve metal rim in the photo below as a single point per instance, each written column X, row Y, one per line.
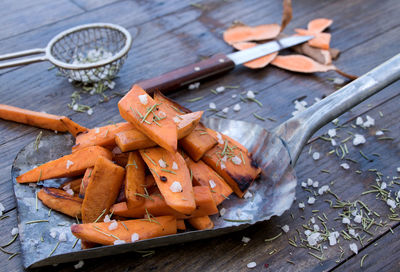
column 61, row 35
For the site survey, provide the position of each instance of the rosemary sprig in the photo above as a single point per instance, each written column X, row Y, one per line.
column 237, row 220
column 362, row 260
column 37, row 221
column 54, row 249
column 76, row 241
column 258, row 116
column 11, row 241
column 273, row 238
column 168, row 171
column 150, row 159
column 101, row 215
column 13, row 255
column 195, row 99
column 37, row 141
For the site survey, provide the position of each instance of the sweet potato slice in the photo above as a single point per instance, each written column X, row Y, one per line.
column 301, row 64
column 103, row 189
column 172, row 177
column 119, row 157
column 61, row 201
column 173, row 107
column 233, row 163
column 134, row 139
column 180, row 224
column 101, row 136
column 101, row 234
column 156, row 205
column 40, row 119
column 201, row 223
column 85, row 182
column 244, row 33
column 257, row 63
column 67, row 166
column 138, row 108
column 319, row 25
column 198, row 142
column 320, row 40
column 203, row 175
column 74, row 185
column 135, row 180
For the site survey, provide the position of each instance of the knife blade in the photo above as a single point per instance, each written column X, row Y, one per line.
column 217, row 64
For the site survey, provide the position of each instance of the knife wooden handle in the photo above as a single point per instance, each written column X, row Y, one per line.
column 188, row 74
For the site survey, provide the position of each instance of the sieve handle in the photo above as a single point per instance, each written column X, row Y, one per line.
column 22, row 54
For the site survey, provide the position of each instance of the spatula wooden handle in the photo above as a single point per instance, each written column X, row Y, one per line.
column 188, row 74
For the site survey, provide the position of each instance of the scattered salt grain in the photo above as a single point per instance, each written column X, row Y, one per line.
column 193, row 86
column 96, row 130
column 62, row 237
column 224, row 158
column 106, row 218
column 338, row 81
column 345, row 166
column 359, row 121
column 352, row 232
column 310, row 182
column 301, row 205
column 225, row 110
column 358, row 219
column 134, row 237
column 245, row 239
column 162, row 163
column 354, row 213
column 354, row 248
column 70, row 192
column 14, row 231
column 251, row 265
column 285, row 228
column 332, row 240
column 234, row 95
column 75, row 107
column 307, row 232
column 236, row 107
column 391, row 203
column 323, row 189
column 379, row 133
column 79, row 265
column 212, row 183
column 335, row 121
column 162, row 114
column 239, row 212
column 119, row 242
column 212, row 106
column 358, row 139
column 223, row 166
column 176, row 119
column 316, row 227
column 236, row 160
column 370, row 122
column 69, row 163
column 222, row 211
column 312, row 220
column 113, row 225
column 315, row 156
column 311, row 200
column 398, row 169
column 248, row 195
column 220, row 89
column 313, row 238
column 304, row 185
column 66, row 187
column 53, row 233
column 333, row 142
column 176, row 187
column 174, row 166
column 219, row 137
column 315, row 184
column 383, row 185
column 332, row 132
column 250, row 95
column 90, row 111
column 346, row 220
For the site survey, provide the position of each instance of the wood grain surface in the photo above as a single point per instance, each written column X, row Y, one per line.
column 171, row 34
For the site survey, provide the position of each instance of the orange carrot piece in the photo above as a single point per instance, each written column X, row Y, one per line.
column 257, row 63
column 103, row 189
column 201, row 223
column 68, row 166
column 74, row 185
column 233, row 163
column 134, row 139
column 244, row 33
column 319, row 25
column 172, row 177
column 150, row 181
column 320, row 40
column 85, row 182
column 40, row 119
column 198, row 142
column 180, row 224
column 173, row 107
column 203, row 175
column 119, row 157
column 135, row 179
column 156, row 205
column 61, row 201
column 101, row 136
column 138, row 108
column 101, row 234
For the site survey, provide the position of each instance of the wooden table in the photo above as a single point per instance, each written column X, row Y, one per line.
column 169, row 34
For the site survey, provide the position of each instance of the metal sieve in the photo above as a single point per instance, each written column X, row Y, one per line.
column 87, row 53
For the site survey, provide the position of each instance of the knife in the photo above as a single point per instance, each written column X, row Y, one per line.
column 215, row 65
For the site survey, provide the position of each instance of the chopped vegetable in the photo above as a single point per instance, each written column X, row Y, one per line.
column 61, row 201
column 135, row 180
column 201, row 223
column 197, row 143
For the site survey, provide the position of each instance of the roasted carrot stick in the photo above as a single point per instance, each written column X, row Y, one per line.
column 257, row 63
column 101, row 136
column 180, row 224
column 138, row 108
column 102, row 191
column 319, row 25
column 201, row 223
column 156, row 205
column 68, row 166
column 172, row 177
column 61, row 201
column 133, row 139
column 74, row 185
column 85, row 182
column 244, row 33
column 40, row 119
column 173, row 107
column 135, row 180
column 119, row 157
column 198, row 142
column 128, row 231
column 203, row 175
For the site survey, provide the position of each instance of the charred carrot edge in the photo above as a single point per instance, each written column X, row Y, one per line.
column 67, row 166
column 201, row 223
column 85, row 182
column 61, row 201
column 72, row 127
column 198, row 142
column 141, row 229
column 102, row 190
column 135, row 180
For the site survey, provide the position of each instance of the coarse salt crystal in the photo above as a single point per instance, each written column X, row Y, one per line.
column 193, row 86
column 174, row 166
column 119, row 242
column 317, row 99
column 338, row 81
column 143, row 99
column 354, row 248
column 383, row 185
column 236, row 107
column 162, row 163
column 379, row 133
column 66, row 187
column 219, row 137
column 315, row 156
column 69, row 163
column 53, row 233
column 238, row 212
column 245, row 239
column 307, row 232
column 359, row 121
column 222, row 211
column 14, row 231
column 176, row 187
column 212, row 183
column 357, row 218
column 162, row 114
column 354, row 213
column 223, row 166
column 251, row 265
column 212, row 106
column 79, row 264
column 310, row 182
column 113, row 225
column 335, row 121
column 313, row 238
column 323, row 189
column 250, row 95
column 316, row 227
column 70, row 192
column 332, row 132
column 176, row 119
column 398, row 169
column 303, row 184
column 106, row 218
column 236, row 160
column 332, row 240
column 62, row 237
column 301, row 205
column 312, row 220
column 285, row 228
column 225, row 110
column 370, row 121
column 358, row 139
column 391, row 203
column 353, row 232
column 96, row 130
column 315, row 184
column 90, row 111
column 75, row 107
column 248, row 195
column 224, row 158
column 311, row 200
column 333, row 142
column 220, row 89
column 346, row 220
column 134, row 237
column 234, row 95
column 345, row 166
